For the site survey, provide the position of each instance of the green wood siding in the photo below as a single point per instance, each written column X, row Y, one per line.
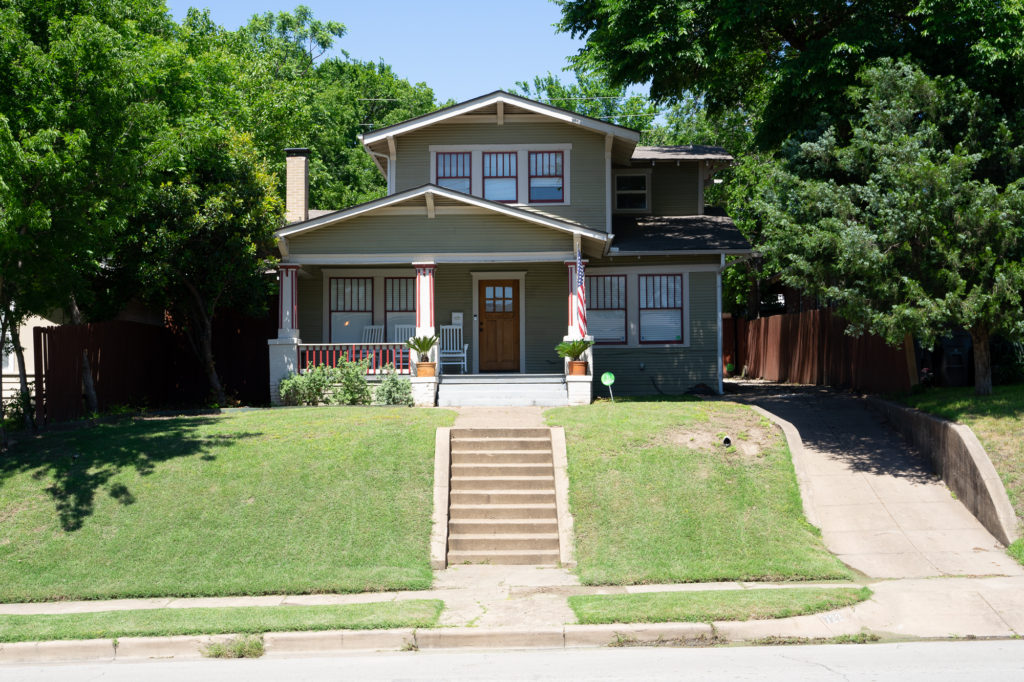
column 311, row 306
column 674, row 189
column 587, row 164
column 670, row 370
column 379, row 234
column 654, row 260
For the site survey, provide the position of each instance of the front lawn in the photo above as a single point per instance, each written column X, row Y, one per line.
column 413, row 613
column 269, row 501
column 657, row 498
column 707, row 607
column 998, row 421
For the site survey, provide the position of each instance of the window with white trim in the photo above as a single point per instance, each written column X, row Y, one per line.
column 399, row 305
column 501, row 181
column 546, row 177
column 454, row 171
column 661, row 308
column 351, row 308
column 606, row 308
column 633, row 192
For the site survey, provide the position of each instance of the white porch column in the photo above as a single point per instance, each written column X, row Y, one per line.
column 425, row 299
column 284, row 350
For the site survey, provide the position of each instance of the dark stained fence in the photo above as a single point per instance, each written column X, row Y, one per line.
column 812, row 348
column 137, row 365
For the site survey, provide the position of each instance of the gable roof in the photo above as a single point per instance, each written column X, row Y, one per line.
column 435, row 196
column 493, row 98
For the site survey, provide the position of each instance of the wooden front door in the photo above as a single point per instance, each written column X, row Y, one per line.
column 499, row 325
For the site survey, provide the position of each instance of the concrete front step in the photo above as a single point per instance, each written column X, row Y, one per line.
column 547, row 557
column 503, row 482
column 502, row 541
column 502, row 497
column 501, row 432
column 460, row 512
column 499, row 394
column 481, row 469
column 514, row 526
column 502, row 457
column 501, row 379
column 510, row 444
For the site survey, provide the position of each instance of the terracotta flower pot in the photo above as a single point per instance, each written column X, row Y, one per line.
column 426, row 369
column 577, row 368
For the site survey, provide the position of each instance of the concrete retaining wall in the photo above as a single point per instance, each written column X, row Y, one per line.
column 962, row 462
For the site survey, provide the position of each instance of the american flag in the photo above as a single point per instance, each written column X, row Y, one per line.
column 581, row 297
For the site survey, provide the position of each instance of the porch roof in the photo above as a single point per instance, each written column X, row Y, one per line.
column 712, row 232
column 430, row 200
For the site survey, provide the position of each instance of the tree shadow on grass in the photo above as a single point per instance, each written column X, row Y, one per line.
column 80, row 464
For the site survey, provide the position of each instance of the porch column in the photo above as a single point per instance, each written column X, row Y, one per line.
column 425, row 299
column 288, row 302
column 284, row 350
column 574, row 308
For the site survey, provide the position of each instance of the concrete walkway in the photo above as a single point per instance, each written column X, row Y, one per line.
column 878, row 503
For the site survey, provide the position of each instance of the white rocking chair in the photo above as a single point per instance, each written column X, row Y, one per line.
column 403, row 332
column 373, row 333
column 452, row 349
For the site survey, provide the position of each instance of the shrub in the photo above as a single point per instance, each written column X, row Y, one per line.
column 573, row 350
column 394, row 389
column 341, row 385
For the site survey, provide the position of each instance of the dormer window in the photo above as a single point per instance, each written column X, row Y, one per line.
column 546, row 177
column 633, row 192
column 454, row 171
column 501, row 182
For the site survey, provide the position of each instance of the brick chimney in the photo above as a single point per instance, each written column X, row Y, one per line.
column 296, row 193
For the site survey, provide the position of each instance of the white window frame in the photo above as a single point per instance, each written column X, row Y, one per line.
column 642, row 172
column 522, row 168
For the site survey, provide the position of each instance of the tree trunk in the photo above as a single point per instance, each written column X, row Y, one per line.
column 92, row 405
column 982, row 361
column 3, row 335
column 203, row 343
column 26, row 396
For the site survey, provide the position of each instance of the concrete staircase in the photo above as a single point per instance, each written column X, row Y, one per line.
column 463, row 390
column 502, row 499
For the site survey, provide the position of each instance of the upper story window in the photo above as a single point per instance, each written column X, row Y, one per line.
column 501, row 181
column 633, row 192
column 546, row 177
column 454, row 171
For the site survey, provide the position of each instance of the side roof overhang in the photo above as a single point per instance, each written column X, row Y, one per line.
column 435, row 199
column 381, row 143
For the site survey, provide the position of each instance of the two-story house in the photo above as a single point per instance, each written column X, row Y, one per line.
column 488, row 204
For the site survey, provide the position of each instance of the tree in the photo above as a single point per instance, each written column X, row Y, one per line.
column 793, row 57
column 591, row 95
column 205, row 232
column 894, row 227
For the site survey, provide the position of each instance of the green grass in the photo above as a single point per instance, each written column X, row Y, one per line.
column 416, row 613
column 270, row 501
column 705, row 607
column 653, row 506
column 998, row 421
column 245, row 646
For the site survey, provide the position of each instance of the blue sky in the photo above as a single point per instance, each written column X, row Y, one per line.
column 460, row 48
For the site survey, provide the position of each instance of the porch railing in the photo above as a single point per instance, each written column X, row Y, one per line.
column 332, row 354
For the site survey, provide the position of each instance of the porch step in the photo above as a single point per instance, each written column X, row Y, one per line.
column 503, row 482
column 502, row 390
column 504, row 556
column 518, row 510
column 481, row 444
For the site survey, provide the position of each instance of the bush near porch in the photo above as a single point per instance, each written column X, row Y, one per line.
column 657, row 498
column 294, row 500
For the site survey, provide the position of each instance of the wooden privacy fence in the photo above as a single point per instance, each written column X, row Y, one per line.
column 137, row 365
column 813, row 348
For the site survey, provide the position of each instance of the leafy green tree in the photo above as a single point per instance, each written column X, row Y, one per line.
column 894, row 225
column 591, row 95
column 205, row 232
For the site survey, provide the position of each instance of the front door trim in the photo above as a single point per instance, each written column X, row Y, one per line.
column 502, row 274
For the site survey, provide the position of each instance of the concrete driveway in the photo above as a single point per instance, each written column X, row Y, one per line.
column 879, row 505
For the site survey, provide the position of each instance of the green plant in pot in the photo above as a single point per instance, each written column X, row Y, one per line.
column 574, row 350
column 422, row 346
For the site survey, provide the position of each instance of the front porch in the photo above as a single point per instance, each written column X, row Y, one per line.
column 510, row 317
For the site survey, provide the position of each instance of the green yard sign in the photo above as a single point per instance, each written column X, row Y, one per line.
column 608, row 379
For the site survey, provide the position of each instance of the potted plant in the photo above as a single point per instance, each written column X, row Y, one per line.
column 574, row 350
column 422, row 346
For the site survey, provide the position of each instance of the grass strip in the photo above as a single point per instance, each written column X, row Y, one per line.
column 413, row 613
column 712, row 605
column 657, row 498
